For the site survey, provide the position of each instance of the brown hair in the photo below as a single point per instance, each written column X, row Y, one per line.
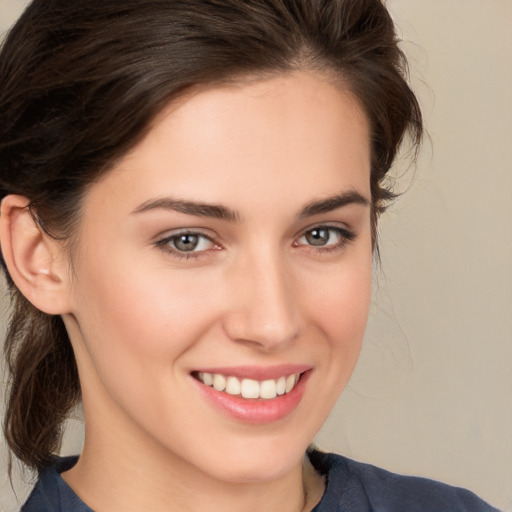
column 81, row 82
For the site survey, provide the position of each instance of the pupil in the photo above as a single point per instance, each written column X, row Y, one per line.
column 318, row 236
column 186, row 242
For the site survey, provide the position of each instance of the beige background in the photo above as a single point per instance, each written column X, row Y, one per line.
column 432, row 394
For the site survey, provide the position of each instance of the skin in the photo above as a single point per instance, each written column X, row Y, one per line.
column 141, row 317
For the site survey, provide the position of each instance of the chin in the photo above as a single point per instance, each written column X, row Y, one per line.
column 255, row 464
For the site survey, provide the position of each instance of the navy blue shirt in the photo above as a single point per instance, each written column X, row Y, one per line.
column 350, row 487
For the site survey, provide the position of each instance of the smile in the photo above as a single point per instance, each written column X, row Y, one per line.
column 250, row 388
column 252, row 394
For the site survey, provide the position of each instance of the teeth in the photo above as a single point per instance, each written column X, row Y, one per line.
column 232, row 386
column 290, row 383
column 281, row 386
column 250, row 388
column 207, row 378
column 219, row 382
column 268, row 389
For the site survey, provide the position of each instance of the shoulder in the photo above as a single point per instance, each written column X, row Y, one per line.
column 356, row 487
column 52, row 494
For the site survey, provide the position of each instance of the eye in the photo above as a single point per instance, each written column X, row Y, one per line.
column 325, row 237
column 319, row 236
column 190, row 242
column 186, row 244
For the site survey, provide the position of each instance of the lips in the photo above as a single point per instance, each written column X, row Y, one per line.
column 254, row 395
column 250, row 388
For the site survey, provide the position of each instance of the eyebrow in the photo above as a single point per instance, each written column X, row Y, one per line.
column 214, row 211
column 221, row 212
column 333, row 203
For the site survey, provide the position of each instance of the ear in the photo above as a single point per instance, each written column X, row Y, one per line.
column 37, row 263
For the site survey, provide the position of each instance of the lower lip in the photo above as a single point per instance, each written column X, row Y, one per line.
column 256, row 411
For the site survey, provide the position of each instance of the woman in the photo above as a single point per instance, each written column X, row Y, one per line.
column 191, row 193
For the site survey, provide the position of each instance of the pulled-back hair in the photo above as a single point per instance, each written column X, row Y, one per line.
column 81, row 82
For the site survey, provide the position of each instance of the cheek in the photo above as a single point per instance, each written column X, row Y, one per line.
column 135, row 328
column 129, row 316
column 341, row 307
column 344, row 298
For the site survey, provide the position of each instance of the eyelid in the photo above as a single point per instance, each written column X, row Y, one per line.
column 347, row 235
column 163, row 240
column 171, row 233
column 338, row 226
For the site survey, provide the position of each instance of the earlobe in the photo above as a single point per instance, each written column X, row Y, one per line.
column 34, row 260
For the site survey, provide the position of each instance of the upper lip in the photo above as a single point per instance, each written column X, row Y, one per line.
column 256, row 372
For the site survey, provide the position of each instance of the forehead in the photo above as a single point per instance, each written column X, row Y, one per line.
column 249, row 144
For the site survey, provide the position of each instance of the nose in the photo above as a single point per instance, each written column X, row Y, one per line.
column 264, row 310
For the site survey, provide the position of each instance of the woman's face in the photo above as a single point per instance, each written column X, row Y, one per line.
column 232, row 246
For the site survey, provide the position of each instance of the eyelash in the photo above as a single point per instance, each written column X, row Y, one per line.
column 165, row 245
column 346, row 236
